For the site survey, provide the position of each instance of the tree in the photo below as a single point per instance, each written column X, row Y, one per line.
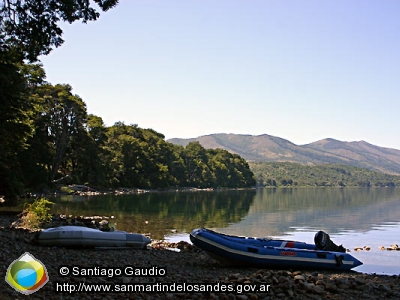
column 219, row 164
column 59, row 119
column 15, row 127
column 197, row 170
column 175, row 161
column 229, row 170
column 140, row 157
column 67, row 115
column 36, row 157
column 240, row 172
column 30, row 28
column 126, row 157
column 91, row 155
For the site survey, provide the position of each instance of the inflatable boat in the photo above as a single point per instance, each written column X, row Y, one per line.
column 266, row 252
column 79, row 236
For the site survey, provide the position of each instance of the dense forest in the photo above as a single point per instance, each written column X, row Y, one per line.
column 280, row 174
column 49, row 137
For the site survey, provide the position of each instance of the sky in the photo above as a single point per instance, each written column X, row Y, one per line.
column 299, row 70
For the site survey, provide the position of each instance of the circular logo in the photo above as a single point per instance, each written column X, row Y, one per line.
column 27, row 274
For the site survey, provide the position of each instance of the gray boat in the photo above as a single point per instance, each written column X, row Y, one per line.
column 79, row 236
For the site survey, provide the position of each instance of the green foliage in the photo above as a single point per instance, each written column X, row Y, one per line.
column 294, row 174
column 141, row 158
column 65, row 142
column 31, row 28
column 15, row 127
column 59, row 118
column 37, row 213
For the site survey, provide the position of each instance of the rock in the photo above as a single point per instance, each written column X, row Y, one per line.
column 261, row 272
column 222, row 296
column 320, row 282
column 308, row 286
column 281, row 295
column 318, row 290
column 384, row 288
column 283, row 279
column 252, row 296
column 299, row 277
column 360, row 280
column 362, row 287
column 290, row 293
column 234, row 277
column 330, row 287
column 296, row 273
column 125, row 279
column 267, row 275
column 247, row 281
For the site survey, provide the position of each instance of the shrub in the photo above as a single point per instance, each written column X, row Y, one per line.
column 37, row 213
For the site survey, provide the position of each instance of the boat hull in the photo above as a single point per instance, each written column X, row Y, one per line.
column 270, row 253
column 78, row 236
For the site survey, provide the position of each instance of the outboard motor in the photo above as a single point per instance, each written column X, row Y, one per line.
column 323, row 242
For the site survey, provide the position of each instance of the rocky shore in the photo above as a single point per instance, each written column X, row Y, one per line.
column 189, row 266
column 84, row 190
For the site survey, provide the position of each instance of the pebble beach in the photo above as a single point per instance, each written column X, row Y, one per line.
column 180, row 263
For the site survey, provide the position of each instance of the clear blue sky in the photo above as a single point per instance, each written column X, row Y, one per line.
column 299, row 70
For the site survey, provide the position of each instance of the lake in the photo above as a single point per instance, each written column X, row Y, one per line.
column 351, row 216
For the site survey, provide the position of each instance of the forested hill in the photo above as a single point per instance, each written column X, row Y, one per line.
column 48, row 139
column 286, row 174
column 267, row 148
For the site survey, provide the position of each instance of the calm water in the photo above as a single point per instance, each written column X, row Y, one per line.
column 352, row 217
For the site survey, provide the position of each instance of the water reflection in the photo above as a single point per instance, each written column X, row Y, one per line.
column 275, row 212
column 265, row 212
column 161, row 213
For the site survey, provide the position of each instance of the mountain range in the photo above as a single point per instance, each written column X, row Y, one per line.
column 267, row 148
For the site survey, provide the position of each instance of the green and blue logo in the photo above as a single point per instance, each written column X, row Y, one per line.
column 27, row 274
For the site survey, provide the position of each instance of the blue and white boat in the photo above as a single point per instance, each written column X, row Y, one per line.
column 266, row 252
